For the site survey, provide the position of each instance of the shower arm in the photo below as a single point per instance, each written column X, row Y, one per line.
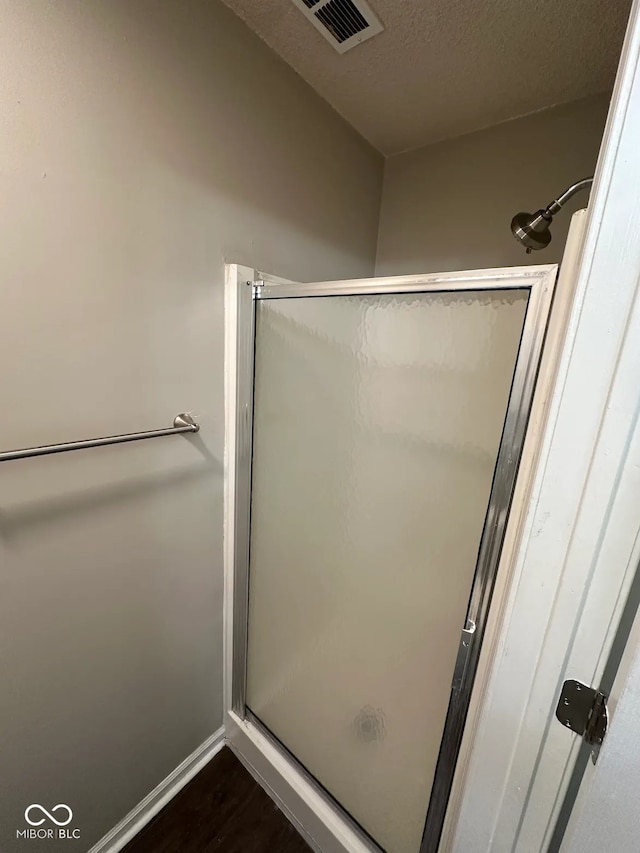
column 557, row 204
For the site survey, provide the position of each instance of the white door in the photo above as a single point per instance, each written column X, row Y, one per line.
column 577, row 554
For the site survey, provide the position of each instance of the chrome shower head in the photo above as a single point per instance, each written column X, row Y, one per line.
column 532, row 229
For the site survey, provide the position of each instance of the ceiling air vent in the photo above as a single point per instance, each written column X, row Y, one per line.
column 344, row 23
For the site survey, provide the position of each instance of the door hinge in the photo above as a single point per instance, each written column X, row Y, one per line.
column 583, row 709
column 256, row 288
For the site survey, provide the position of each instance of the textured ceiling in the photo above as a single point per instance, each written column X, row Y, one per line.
column 442, row 68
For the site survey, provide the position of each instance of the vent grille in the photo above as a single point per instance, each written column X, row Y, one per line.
column 344, row 23
column 342, row 18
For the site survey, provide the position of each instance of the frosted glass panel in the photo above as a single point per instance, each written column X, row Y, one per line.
column 377, row 421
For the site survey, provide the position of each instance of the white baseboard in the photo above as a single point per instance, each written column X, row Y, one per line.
column 148, row 808
column 315, row 816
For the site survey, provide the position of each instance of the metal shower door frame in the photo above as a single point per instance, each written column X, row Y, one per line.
column 539, row 281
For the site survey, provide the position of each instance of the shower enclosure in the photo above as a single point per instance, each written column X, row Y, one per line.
column 372, row 455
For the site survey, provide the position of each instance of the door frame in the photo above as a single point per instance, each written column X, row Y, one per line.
column 314, row 812
column 579, row 544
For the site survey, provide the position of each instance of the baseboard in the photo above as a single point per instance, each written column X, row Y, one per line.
column 314, row 815
column 148, row 808
column 282, row 806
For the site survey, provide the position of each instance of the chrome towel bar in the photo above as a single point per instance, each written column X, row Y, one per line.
column 181, row 423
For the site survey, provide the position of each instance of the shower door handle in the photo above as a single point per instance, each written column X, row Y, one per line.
column 464, row 650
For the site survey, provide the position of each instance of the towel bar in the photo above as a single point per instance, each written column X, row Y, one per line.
column 181, row 423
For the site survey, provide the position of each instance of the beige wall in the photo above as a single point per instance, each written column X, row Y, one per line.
column 142, row 144
column 448, row 206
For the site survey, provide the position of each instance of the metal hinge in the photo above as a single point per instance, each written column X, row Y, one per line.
column 256, row 287
column 583, row 709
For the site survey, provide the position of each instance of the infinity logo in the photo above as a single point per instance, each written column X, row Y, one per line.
column 48, row 815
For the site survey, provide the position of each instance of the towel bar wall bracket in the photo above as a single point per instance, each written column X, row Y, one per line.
column 181, row 423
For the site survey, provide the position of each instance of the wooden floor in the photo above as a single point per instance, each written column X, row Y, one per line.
column 221, row 809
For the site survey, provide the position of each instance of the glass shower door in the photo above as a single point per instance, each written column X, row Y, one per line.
column 378, row 422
